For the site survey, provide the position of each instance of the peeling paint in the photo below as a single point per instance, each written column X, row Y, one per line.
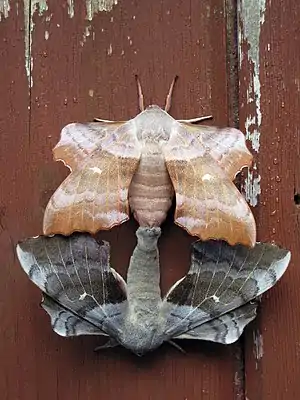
column 109, row 50
column 30, row 6
column 258, row 345
column 86, row 34
column 4, row 9
column 95, row 6
column 46, row 35
column 252, row 187
column 71, row 8
column 252, row 16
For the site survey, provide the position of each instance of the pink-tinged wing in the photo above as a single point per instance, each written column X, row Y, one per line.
column 95, row 195
column 225, row 145
column 78, row 141
column 208, row 204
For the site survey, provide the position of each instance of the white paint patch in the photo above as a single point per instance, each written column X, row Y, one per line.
column 46, row 35
column 258, row 345
column 86, row 34
column 252, row 186
column 71, row 8
column 109, row 50
column 96, row 170
column 252, row 17
column 30, row 7
column 4, row 9
column 95, row 6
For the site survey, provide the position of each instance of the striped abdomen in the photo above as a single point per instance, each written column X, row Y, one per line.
column 151, row 190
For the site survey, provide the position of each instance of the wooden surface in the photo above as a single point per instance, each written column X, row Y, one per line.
column 83, row 65
column 272, row 365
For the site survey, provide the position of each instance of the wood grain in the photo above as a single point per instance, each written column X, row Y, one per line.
column 84, row 69
column 272, row 69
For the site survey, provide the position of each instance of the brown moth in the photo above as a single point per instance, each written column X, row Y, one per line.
column 139, row 164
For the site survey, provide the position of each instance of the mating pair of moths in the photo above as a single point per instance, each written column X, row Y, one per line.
column 141, row 163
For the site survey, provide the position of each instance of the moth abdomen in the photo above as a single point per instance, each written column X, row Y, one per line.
column 151, row 190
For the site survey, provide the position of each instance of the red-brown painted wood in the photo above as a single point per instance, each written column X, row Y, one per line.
column 272, row 348
column 86, row 69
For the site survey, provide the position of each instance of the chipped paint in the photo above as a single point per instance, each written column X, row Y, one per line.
column 46, row 35
column 95, row 6
column 258, row 348
column 71, row 8
column 109, row 50
column 252, row 186
column 4, row 9
column 86, row 34
column 252, row 16
column 30, row 7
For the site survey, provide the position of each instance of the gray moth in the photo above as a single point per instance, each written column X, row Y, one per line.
column 83, row 295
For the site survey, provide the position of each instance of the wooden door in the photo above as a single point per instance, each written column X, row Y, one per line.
column 75, row 60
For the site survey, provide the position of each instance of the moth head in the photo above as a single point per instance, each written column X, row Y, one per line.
column 148, row 237
column 142, row 339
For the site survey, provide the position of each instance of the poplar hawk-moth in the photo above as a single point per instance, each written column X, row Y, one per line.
column 85, row 296
column 141, row 163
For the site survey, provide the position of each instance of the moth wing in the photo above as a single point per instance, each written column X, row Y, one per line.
column 208, row 204
column 225, row 329
column 227, row 146
column 66, row 323
column 221, row 279
column 95, row 195
column 78, row 141
column 74, row 273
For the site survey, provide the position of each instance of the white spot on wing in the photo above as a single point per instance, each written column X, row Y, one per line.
column 216, row 298
column 207, row 177
column 83, row 296
column 96, row 170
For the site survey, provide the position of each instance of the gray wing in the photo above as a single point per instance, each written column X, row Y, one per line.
column 75, row 275
column 225, row 329
column 221, row 279
column 66, row 323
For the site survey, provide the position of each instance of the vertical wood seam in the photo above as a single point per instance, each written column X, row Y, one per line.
column 233, row 120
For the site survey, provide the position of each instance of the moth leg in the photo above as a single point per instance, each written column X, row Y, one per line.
column 110, row 343
column 169, row 95
column 140, row 94
column 177, row 346
column 195, row 120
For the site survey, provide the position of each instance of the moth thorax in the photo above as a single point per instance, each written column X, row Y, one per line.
column 151, row 190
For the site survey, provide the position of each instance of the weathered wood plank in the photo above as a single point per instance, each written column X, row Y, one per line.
column 269, row 107
column 78, row 65
column 17, row 351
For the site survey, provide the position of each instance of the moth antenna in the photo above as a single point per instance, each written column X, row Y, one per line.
column 169, row 95
column 140, row 94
